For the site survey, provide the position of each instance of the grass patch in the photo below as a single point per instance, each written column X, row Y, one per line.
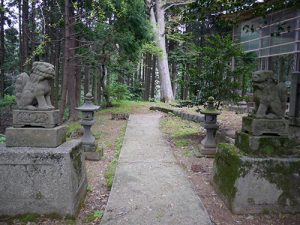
column 111, row 169
column 89, row 189
column 94, row 216
column 181, row 132
column 182, row 143
column 124, row 107
column 30, row 217
column 72, row 128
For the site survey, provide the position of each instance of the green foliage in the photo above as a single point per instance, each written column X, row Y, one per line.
column 8, row 100
column 71, row 128
column 216, row 76
column 2, row 139
column 94, row 216
column 151, row 48
column 119, row 91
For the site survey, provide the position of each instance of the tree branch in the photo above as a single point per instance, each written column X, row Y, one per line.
column 178, row 3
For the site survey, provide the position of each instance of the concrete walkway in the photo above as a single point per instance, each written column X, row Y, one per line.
column 149, row 187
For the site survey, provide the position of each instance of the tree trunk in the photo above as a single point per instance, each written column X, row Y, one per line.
column 86, row 79
column 159, row 36
column 147, row 77
column 69, row 79
column 105, row 84
column 57, row 69
column 174, row 79
column 25, row 36
column 153, row 77
column 33, row 34
column 2, row 50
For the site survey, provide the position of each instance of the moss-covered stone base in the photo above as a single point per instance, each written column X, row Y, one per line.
column 265, row 145
column 262, row 126
column 254, row 185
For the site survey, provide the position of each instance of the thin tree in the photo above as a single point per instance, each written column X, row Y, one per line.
column 69, row 79
column 2, row 48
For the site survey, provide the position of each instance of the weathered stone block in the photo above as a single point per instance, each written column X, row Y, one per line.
column 35, row 137
column 36, row 118
column 42, row 180
column 92, row 152
column 257, row 126
column 266, row 145
column 254, row 185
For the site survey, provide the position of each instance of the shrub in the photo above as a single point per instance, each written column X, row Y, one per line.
column 8, row 100
column 119, row 91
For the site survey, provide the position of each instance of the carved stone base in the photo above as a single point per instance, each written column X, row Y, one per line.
column 35, row 137
column 265, row 145
column 48, row 119
column 258, row 127
column 42, row 180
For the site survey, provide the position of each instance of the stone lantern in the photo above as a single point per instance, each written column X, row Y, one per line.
column 87, row 121
column 208, row 144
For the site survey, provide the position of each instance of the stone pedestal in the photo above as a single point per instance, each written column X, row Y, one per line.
column 257, row 126
column 35, row 137
column 256, row 184
column 91, row 152
column 208, row 144
column 42, row 180
column 36, row 118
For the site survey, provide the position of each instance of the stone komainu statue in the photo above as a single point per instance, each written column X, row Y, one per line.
column 270, row 98
column 33, row 92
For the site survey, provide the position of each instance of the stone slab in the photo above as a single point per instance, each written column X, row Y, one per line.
column 35, row 137
column 150, row 188
column 36, row 118
column 259, row 126
column 255, row 184
column 42, row 180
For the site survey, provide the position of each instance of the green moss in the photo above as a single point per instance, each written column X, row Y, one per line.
column 243, row 142
column 227, row 165
column 76, row 160
column 30, row 217
column 182, row 143
column 266, row 146
column 284, row 175
column 210, row 111
column 247, row 121
column 2, row 139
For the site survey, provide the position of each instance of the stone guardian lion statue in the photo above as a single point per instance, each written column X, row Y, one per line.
column 270, row 97
column 33, row 92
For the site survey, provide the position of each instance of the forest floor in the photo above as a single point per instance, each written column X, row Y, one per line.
column 184, row 138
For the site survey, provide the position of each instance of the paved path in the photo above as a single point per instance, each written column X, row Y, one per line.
column 149, row 187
